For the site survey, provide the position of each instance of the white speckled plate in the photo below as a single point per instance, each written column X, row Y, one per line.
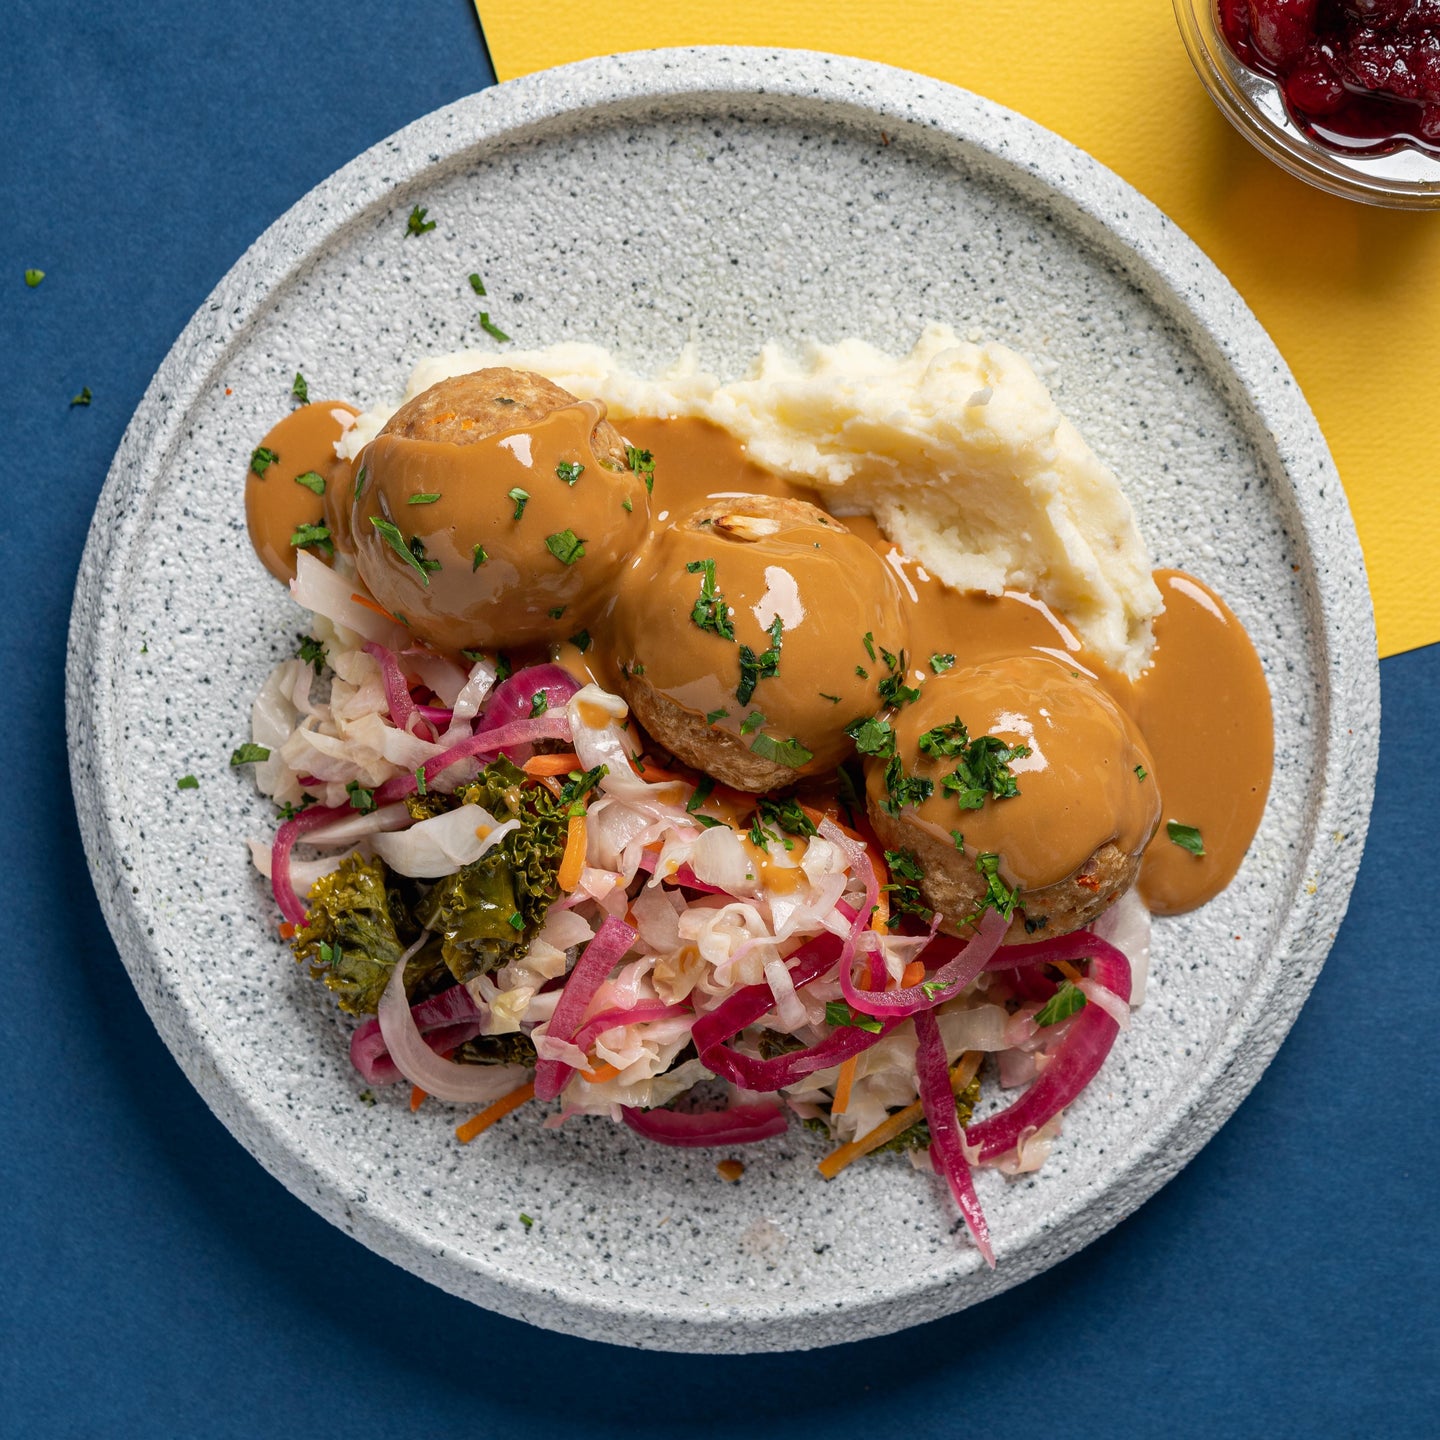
column 725, row 197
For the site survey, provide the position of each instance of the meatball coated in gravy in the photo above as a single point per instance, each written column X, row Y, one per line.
column 751, row 632
column 495, row 509
column 1070, row 840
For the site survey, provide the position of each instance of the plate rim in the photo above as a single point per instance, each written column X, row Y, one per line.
column 1112, row 216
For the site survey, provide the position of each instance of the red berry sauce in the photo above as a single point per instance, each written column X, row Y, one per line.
column 1359, row 76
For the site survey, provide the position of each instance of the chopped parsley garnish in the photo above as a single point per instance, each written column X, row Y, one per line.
column 1187, row 837
column 313, row 536
column 941, row 663
column 362, row 799
column 997, row 894
column 539, row 703
column 581, row 640
column 905, row 897
column 187, row 782
column 299, row 389
column 958, row 838
column 627, row 506
column 932, row 988
column 833, row 699
column 261, row 459
column 862, row 672
column 893, row 690
column 417, row 224
column 311, row 651
column 1068, row 1000
column 872, row 736
column 565, row 546
column 289, row 811
column 637, row 668
column 786, row 815
column 838, row 1013
column 478, row 556
column 517, row 921
column 313, row 481
column 359, row 481
column 569, row 471
column 759, row 836
column 870, row 643
column 504, row 667
column 902, row 790
column 781, row 752
column 752, row 722
column 420, row 779
column 249, row 754
column 417, row 549
column 702, row 793
column 525, row 1220
column 578, row 784
column 491, row 328
column 34, row 277
column 710, row 611
column 983, row 771
column 83, row 398
column 423, row 497
column 711, row 716
column 390, row 533
column 1141, row 772
column 477, row 284
column 642, row 462
column 556, row 613
column 755, row 668
column 521, row 499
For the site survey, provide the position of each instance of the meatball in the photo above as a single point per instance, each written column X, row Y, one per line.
column 496, row 509
column 751, row 632
column 1028, row 760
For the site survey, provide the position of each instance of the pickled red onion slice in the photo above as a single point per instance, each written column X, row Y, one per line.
column 739, row 1125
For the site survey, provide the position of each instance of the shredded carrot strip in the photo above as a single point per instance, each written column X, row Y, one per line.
column 417, row 1098
column 552, row 764
column 498, row 1111
column 369, row 604
column 287, row 930
column 1069, row 971
column 880, row 920
column 573, row 860
column 914, row 973
column 843, row 1082
column 648, row 770
column 960, row 1076
column 601, row 1073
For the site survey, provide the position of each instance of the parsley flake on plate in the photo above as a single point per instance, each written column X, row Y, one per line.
column 299, row 389
column 491, row 328
column 521, row 499
column 248, row 754
column 710, row 611
column 1068, row 1000
column 390, row 533
column 261, row 459
column 417, row 224
column 565, row 546
column 781, row 752
column 1187, row 837
column 313, row 481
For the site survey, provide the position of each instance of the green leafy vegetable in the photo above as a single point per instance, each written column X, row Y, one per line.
column 360, row 481
column 781, row 752
column 893, row 690
column 755, row 668
column 1141, row 773
column 1068, row 1000
column 983, row 770
column 565, row 546
column 423, row 497
column 711, row 716
column 941, row 663
column 872, row 736
column 752, row 722
column 491, row 328
column 998, row 895
column 313, row 537
column 261, row 459
column 569, row 471
column 187, row 782
column 1187, row 837
column 390, row 533
column 702, row 793
column 34, row 277
column 838, row 1013
column 642, row 462
column 299, row 389
column 902, row 790
column 581, row 640
column 362, row 799
column 417, row 224
column 521, row 499
column 313, row 481
column 710, row 611
column 539, row 703
column 477, row 284
column 905, row 896
column 786, row 815
column 83, row 398
column 478, row 556
column 917, row 1137
column 249, row 754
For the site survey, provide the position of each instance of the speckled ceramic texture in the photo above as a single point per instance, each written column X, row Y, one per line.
column 725, row 197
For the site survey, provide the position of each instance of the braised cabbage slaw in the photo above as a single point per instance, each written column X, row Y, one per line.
column 525, row 905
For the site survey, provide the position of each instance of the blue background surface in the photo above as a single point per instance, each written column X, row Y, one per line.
column 157, row 1282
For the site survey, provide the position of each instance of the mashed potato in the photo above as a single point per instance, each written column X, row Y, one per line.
column 956, row 449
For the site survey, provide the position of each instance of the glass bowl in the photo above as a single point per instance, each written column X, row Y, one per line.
column 1406, row 179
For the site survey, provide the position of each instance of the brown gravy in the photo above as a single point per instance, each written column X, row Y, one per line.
column 275, row 505
column 1202, row 710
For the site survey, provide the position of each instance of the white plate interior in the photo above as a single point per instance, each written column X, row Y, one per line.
column 644, row 202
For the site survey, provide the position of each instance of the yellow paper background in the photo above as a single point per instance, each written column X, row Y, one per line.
column 1350, row 293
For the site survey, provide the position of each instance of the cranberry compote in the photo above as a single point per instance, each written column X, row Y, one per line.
column 1361, row 76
